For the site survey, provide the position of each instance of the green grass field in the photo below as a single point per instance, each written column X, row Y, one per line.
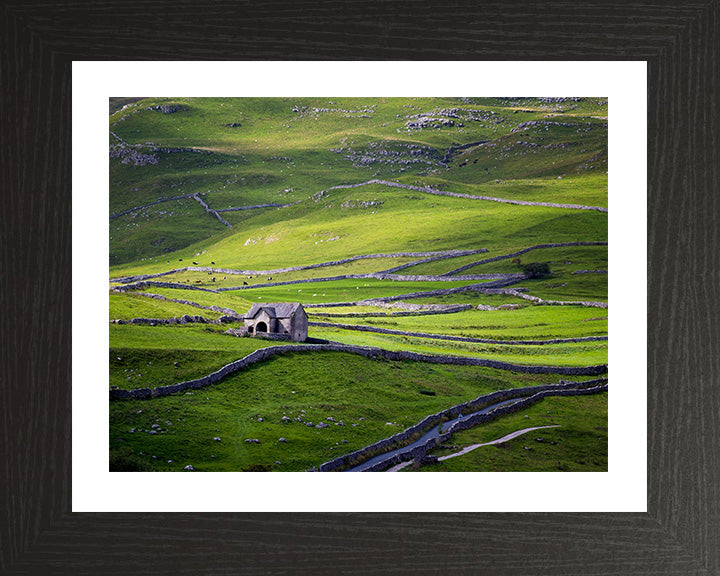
column 247, row 152
column 372, row 400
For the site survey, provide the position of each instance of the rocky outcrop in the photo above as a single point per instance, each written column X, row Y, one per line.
column 168, row 108
column 269, row 205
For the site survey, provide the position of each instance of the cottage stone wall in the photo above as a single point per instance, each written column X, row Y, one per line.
column 299, row 330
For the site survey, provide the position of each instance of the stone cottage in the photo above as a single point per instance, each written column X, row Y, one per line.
column 286, row 319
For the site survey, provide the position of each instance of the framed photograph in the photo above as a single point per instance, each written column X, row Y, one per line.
column 526, row 176
column 653, row 510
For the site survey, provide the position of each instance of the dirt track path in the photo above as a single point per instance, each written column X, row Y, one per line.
column 467, row 449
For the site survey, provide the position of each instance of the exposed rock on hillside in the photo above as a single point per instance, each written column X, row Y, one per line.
column 168, row 108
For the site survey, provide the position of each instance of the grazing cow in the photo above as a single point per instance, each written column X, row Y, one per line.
column 198, row 281
column 245, row 283
column 195, row 263
column 270, row 278
column 179, row 259
column 213, row 278
column 212, row 262
column 224, row 277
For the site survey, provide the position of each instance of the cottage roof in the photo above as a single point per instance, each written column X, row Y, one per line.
column 274, row 310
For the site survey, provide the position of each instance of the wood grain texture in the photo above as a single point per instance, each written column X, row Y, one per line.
column 680, row 535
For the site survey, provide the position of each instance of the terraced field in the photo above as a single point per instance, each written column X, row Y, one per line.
column 445, row 230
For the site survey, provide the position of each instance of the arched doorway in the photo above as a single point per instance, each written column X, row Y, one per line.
column 261, row 327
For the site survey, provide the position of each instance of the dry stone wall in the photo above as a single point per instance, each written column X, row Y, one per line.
column 520, row 294
column 430, row 256
column 521, row 252
column 185, row 319
column 417, row 311
column 146, row 283
column 369, row 352
column 136, row 208
column 228, row 311
column 363, row 328
column 530, row 395
column 430, row 190
column 211, row 211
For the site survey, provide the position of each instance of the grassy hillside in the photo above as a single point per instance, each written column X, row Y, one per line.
column 246, row 188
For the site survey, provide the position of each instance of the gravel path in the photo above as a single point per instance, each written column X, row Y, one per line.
column 430, row 190
column 505, row 438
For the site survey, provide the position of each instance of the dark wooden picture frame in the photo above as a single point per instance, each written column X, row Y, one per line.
column 680, row 533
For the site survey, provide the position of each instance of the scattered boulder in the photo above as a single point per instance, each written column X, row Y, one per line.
column 189, row 467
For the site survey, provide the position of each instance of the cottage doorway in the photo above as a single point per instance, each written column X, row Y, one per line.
column 261, row 327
